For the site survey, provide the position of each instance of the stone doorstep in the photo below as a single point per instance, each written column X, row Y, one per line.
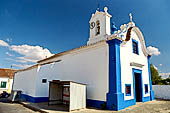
column 32, row 107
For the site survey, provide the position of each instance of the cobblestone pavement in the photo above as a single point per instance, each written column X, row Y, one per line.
column 156, row 106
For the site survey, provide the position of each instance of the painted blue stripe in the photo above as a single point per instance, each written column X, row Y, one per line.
column 145, row 99
column 114, row 66
column 126, row 103
column 150, row 81
column 28, row 98
column 115, row 95
column 90, row 102
column 95, row 103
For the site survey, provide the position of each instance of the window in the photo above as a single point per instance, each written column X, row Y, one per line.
column 146, row 88
column 135, row 46
column 128, row 89
column 97, row 27
column 44, row 80
column 3, row 84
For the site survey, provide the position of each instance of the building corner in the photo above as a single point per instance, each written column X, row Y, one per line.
column 150, row 80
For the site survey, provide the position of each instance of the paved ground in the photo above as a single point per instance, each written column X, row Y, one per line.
column 14, row 108
column 156, row 106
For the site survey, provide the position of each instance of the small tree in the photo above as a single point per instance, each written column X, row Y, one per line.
column 166, row 81
column 156, row 79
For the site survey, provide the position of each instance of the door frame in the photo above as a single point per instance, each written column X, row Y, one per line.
column 138, row 71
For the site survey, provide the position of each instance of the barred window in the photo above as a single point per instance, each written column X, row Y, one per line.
column 128, row 89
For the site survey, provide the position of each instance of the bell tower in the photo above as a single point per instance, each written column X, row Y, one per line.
column 99, row 26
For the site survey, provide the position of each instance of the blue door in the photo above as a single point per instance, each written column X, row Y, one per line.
column 137, row 83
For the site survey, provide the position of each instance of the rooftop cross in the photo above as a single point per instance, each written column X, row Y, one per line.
column 98, row 5
column 130, row 15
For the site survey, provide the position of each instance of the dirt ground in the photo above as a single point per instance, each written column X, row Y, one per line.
column 157, row 106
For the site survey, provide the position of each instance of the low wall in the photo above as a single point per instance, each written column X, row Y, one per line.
column 162, row 91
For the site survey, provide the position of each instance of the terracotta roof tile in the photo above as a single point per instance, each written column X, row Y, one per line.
column 7, row 72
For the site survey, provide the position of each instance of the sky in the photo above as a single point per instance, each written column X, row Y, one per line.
column 31, row 30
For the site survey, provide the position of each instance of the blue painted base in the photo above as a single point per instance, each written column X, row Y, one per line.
column 112, row 100
column 33, row 99
column 152, row 95
column 115, row 101
column 145, row 99
column 95, row 103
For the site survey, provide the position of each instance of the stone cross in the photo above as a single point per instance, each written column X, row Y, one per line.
column 130, row 15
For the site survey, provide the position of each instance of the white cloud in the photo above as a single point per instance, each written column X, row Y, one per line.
column 25, row 60
column 30, row 53
column 10, row 59
column 17, row 60
column 9, row 54
column 153, row 50
column 9, row 39
column 155, row 67
column 3, row 43
column 164, row 75
column 21, row 65
column 160, row 64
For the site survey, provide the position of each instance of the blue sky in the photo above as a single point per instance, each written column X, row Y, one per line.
column 52, row 26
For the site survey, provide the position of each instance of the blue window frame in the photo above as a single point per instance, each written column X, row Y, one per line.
column 146, row 88
column 135, row 48
column 128, row 89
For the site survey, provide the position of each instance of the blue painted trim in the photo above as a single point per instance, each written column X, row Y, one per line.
column 127, row 103
column 150, row 81
column 126, row 85
column 28, row 98
column 142, row 98
column 95, row 103
column 133, row 40
column 141, row 84
column 145, row 99
column 114, row 95
column 146, row 86
column 114, row 66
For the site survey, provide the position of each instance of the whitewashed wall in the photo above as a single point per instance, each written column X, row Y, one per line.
column 127, row 56
column 26, row 81
column 88, row 66
column 161, row 91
